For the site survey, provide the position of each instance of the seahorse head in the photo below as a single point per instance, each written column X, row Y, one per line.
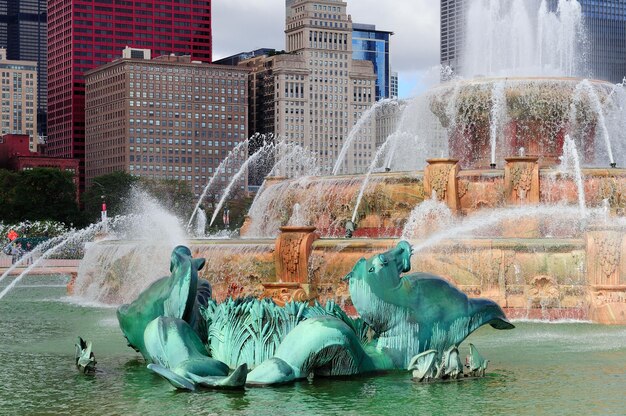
column 374, row 284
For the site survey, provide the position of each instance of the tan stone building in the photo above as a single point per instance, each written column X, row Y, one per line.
column 18, row 111
column 315, row 92
column 165, row 118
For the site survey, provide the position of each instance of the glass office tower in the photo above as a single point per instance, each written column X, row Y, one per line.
column 369, row 44
column 23, row 32
column 605, row 23
column 85, row 34
column 606, row 29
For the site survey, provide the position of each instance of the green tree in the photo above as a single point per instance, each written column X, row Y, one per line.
column 238, row 206
column 43, row 194
column 175, row 196
column 8, row 180
column 112, row 188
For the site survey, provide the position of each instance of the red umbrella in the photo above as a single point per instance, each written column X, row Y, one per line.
column 12, row 235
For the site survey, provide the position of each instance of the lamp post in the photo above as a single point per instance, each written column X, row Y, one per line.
column 103, row 212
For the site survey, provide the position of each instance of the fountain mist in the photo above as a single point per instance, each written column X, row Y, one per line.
column 507, row 38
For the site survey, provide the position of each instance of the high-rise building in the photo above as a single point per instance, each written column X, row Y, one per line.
column 372, row 45
column 606, row 29
column 313, row 94
column 83, row 34
column 604, row 21
column 23, row 32
column 165, row 118
column 18, row 109
column 453, row 15
column 235, row 59
column 394, row 85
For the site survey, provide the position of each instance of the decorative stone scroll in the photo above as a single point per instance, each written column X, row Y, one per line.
column 283, row 292
column 521, row 178
column 293, row 249
column 440, row 178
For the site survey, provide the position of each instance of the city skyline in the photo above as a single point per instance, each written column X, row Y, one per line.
column 414, row 46
column 83, row 36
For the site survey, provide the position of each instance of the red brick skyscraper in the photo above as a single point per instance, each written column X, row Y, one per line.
column 84, row 34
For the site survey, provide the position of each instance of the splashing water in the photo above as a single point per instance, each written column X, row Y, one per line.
column 367, row 116
column 427, row 217
column 379, row 153
column 498, row 114
column 72, row 237
column 263, row 151
column 585, row 87
column 297, row 218
column 239, row 152
column 484, row 220
column 570, row 165
column 293, row 159
column 136, row 254
column 512, row 38
column 201, row 223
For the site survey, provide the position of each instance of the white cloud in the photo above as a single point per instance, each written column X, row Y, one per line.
column 245, row 25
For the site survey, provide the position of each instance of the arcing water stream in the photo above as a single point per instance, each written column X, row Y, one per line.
column 73, row 237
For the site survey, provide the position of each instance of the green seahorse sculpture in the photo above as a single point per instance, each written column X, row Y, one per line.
column 191, row 340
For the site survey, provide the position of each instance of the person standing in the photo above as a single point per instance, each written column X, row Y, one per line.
column 29, row 249
column 14, row 253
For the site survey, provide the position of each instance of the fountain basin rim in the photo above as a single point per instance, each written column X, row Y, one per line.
column 418, row 174
column 489, row 80
column 438, row 160
column 605, row 227
column 359, row 176
column 297, row 228
column 521, row 159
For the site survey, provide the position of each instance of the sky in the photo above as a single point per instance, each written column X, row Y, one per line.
column 246, row 25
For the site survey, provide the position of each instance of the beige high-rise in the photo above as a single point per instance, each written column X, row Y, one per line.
column 18, row 110
column 314, row 94
column 165, row 118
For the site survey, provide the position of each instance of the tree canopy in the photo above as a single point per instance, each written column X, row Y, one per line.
column 38, row 194
column 112, row 188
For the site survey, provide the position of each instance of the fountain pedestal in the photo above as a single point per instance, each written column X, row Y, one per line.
column 441, row 180
column 292, row 251
column 521, row 178
column 606, row 274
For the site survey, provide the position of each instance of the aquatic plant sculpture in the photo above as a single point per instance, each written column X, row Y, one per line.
column 415, row 321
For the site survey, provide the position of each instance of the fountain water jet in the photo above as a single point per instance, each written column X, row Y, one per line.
column 356, row 130
column 75, row 236
column 488, row 219
column 380, row 152
column 235, row 153
column 504, row 38
column 498, row 113
column 570, row 164
column 263, row 151
column 200, row 223
column 585, row 87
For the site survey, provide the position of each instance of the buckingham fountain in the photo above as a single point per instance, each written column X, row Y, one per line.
column 505, row 190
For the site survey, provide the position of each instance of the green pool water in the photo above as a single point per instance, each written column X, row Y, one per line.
column 537, row 368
